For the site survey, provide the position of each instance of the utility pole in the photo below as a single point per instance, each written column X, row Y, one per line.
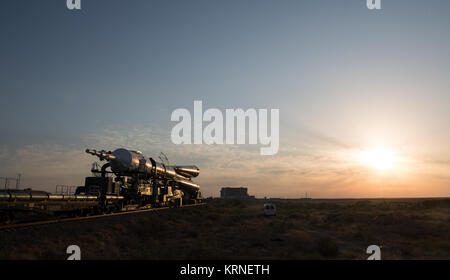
column 17, row 179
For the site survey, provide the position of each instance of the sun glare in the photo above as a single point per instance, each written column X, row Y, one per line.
column 379, row 158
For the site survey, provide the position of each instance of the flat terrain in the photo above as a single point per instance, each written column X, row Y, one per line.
column 302, row 229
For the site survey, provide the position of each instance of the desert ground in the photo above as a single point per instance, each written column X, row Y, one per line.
column 233, row 229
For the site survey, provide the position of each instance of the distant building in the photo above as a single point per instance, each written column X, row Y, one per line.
column 235, row 193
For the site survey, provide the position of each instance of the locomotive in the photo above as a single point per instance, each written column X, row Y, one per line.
column 127, row 181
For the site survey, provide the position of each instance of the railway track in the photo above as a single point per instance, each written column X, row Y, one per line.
column 65, row 220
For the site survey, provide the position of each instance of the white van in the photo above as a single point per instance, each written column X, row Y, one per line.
column 269, row 209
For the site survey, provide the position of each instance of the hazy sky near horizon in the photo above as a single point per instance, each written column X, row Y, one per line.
column 345, row 79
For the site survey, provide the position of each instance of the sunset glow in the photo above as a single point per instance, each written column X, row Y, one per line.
column 379, row 158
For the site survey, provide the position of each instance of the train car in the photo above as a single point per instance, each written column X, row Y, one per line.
column 13, row 202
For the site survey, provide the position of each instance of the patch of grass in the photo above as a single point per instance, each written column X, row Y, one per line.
column 317, row 229
column 327, row 247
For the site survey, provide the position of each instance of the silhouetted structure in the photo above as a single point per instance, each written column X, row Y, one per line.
column 235, row 193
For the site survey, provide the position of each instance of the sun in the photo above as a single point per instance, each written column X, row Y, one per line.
column 379, row 158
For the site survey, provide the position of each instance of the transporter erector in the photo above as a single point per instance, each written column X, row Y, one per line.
column 126, row 181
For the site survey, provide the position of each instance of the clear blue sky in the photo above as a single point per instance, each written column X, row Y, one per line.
column 344, row 77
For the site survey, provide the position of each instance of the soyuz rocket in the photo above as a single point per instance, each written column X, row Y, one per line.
column 125, row 162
